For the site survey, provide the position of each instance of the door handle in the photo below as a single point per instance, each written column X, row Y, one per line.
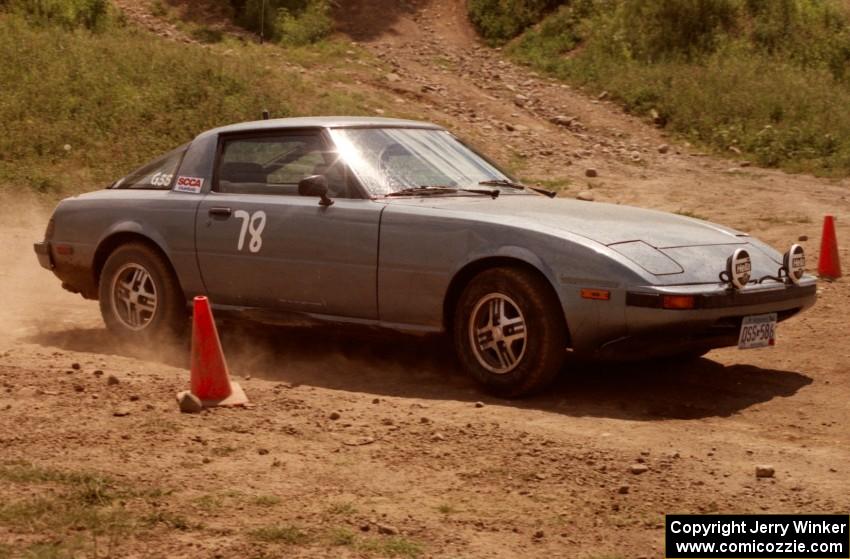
column 221, row 212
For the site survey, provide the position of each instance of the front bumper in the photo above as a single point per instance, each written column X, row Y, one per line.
column 652, row 331
column 44, row 254
column 727, row 298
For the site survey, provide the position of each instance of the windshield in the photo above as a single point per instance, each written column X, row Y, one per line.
column 388, row 160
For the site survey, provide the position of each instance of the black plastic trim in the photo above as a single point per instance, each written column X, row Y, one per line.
column 731, row 298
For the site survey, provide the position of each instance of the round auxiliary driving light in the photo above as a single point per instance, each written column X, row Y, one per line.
column 794, row 263
column 738, row 267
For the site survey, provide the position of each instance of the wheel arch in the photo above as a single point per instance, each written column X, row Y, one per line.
column 112, row 241
column 470, row 270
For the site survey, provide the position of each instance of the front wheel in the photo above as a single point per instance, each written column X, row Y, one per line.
column 509, row 331
column 140, row 297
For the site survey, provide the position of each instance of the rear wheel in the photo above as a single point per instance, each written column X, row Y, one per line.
column 140, row 297
column 509, row 331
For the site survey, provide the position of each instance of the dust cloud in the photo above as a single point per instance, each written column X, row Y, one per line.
column 36, row 310
column 33, row 300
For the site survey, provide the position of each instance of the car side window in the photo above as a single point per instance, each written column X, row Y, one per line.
column 156, row 175
column 276, row 164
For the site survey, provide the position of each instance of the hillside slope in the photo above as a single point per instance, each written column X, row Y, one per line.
column 769, row 79
column 82, row 108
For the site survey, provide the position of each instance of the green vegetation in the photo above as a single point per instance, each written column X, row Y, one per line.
column 769, row 78
column 500, row 20
column 341, row 537
column 692, row 214
column 393, row 546
column 81, row 108
column 267, row 500
column 289, row 535
column 168, row 519
column 342, row 509
column 65, row 513
column 222, row 451
column 337, row 536
column 289, row 22
column 90, row 511
column 90, row 14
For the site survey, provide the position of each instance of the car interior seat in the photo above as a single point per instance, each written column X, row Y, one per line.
column 337, row 183
column 240, row 171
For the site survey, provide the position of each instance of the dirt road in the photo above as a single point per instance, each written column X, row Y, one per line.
column 381, row 447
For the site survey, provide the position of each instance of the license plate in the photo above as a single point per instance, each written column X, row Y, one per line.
column 758, row 331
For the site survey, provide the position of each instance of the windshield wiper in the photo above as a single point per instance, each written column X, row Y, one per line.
column 518, row 186
column 439, row 189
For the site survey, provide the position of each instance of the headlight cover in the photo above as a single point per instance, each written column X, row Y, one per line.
column 738, row 268
column 648, row 257
column 794, row 263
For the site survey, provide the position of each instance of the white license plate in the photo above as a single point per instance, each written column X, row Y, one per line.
column 758, row 331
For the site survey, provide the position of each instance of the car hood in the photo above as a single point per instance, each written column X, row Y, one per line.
column 607, row 224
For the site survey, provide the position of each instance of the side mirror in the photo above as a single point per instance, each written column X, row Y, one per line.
column 315, row 185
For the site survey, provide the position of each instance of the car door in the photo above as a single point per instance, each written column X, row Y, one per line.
column 260, row 244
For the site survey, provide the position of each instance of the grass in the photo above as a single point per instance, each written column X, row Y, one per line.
column 267, row 500
column 81, row 108
column 86, row 514
column 394, row 546
column 168, row 519
column 445, row 508
column 95, row 524
column 342, row 509
column 209, row 501
column 690, row 213
column 24, row 472
column 289, row 535
column 222, row 451
column 779, row 220
column 79, row 513
column 335, row 54
column 379, row 546
column 341, row 537
column 770, row 79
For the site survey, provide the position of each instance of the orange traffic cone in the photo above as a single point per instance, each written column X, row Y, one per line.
column 210, row 380
column 829, row 267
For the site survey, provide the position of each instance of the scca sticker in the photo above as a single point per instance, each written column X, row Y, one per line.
column 189, row 184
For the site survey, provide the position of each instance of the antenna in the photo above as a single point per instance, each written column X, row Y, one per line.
column 262, row 21
column 266, row 114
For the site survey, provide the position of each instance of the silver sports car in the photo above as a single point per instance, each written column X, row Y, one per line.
column 398, row 224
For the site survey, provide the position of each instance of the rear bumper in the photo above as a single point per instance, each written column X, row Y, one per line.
column 75, row 277
column 44, row 255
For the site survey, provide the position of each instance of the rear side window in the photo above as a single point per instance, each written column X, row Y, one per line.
column 156, row 175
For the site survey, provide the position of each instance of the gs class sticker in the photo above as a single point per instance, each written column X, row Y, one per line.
column 192, row 185
column 161, row 179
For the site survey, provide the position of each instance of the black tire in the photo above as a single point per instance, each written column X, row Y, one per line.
column 541, row 354
column 168, row 317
